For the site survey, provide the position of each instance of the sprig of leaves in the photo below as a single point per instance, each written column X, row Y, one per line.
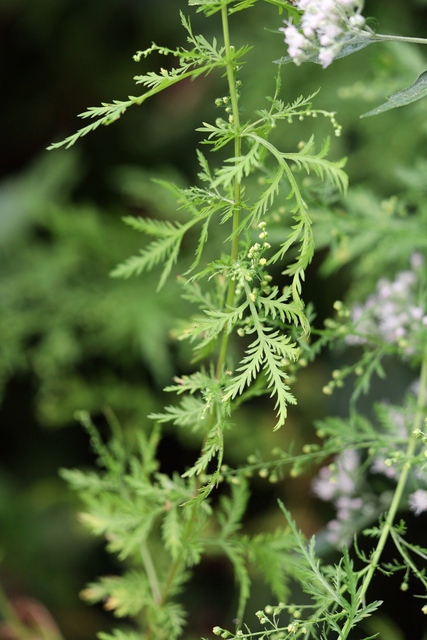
column 269, row 351
column 200, row 60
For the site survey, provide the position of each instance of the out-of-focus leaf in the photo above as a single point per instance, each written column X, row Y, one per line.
column 415, row 92
column 24, row 196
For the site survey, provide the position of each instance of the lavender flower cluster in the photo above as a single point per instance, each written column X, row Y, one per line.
column 326, row 27
column 341, row 482
column 395, row 313
column 337, row 483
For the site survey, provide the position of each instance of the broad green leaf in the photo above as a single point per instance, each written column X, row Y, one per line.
column 415, row 92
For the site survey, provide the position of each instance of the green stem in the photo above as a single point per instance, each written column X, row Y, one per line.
column 397, row 498
column 151, row 573
column 381, row 36
column 407, row 558
column 179, row 564
column 230, row 69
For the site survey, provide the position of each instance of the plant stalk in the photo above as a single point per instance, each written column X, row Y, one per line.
column 151, row 573
column 162, row 595
column 397, row 498
column 230, row 69
column 382, row 36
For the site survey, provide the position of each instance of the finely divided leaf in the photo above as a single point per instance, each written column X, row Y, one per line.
column 163, row 250
column 124, row 595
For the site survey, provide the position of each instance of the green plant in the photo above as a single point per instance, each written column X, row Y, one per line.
column 251, row 336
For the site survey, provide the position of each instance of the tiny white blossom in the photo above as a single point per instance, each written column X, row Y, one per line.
column 417, row 261
column 323, row 486
column 331, row 484
column 418, row 501
column 416, row 312
column 357, row 21
column 379, row 466
column 296, row 43
column 326, row 56
column 311, row 23
column 347, row 506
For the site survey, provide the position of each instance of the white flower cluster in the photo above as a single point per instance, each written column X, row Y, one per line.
column 341, row 482
column 402, row 419
column 418, row 501
column 394, row 313
column 337, row 483
column 326, row 26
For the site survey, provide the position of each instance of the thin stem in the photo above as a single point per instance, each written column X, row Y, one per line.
column 178, row 564
column 395, row 503
column 407, row 558
column 230, row 69
column 382, row 36
column 151, row 573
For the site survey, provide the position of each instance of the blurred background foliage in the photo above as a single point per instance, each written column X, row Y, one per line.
column 72, row 337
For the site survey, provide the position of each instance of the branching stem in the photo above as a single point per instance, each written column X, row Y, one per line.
column 388, row 524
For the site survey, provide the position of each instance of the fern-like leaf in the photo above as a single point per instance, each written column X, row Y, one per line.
column 165, row 250
column 269, row 352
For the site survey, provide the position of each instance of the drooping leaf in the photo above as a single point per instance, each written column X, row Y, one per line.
column 415, row 92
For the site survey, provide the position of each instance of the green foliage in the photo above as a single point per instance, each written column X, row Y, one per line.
column 371, row 234
column 130, row 502
column 59, row 310
column 253, row 222
column 165, row 249
column 135, row 506
column 200, row 60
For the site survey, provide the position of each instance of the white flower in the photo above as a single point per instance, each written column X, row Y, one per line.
column 416, row 312
column 393, row 312
column 418, row 501
column 296, row 43
column 328, row 36
column 347, row 464
column 325, row 27
column 347, row 506
column 340, row 482
column 379, row 466
column 417, row 261
column 323, row 486
column 326, row 56
column 311, row 23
